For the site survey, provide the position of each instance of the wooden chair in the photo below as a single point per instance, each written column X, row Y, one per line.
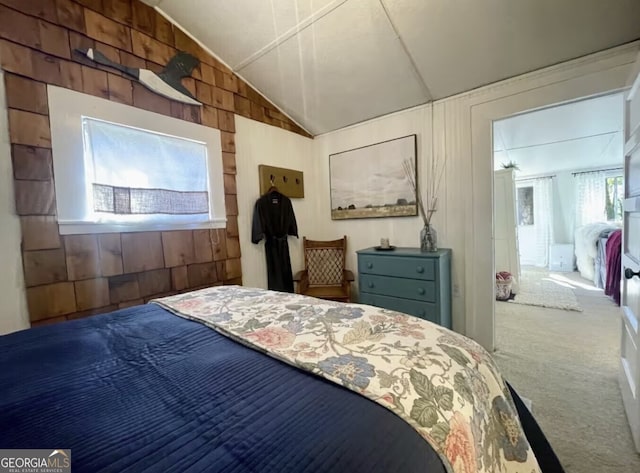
column 324, row 275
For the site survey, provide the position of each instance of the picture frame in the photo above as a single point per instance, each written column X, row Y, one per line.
column 370, row 181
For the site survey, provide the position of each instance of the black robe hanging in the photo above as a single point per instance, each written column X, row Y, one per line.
column 273, row 220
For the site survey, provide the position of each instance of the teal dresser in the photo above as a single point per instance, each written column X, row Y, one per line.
column 407, row 280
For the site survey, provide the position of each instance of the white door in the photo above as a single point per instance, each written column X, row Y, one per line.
column 506, row 234
column 630, row 348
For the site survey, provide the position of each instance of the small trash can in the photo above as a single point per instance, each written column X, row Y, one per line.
column 504, row 281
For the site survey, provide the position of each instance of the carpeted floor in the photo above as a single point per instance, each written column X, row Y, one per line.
column 540, row 288
column 567, row 363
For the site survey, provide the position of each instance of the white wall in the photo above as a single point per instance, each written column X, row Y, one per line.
column 257, row 143
column 13, row 308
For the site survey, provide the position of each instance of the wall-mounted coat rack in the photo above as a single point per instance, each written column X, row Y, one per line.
column 288, row 181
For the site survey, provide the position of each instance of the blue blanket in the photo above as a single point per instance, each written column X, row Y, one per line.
column 143, row 390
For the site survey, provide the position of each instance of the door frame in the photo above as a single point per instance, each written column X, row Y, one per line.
column 628, row 371
column 590, row 79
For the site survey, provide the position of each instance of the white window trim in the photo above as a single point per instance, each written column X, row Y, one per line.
column 66, row 109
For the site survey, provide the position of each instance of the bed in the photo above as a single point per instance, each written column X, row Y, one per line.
column 598, row 250
column 147, row 389
column 590, row 243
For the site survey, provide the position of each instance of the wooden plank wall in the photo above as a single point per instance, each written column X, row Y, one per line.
column 74, row 276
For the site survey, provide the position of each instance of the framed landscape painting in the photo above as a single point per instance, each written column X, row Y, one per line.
column 371, row 181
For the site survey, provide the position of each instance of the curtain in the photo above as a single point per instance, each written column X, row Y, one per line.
column 590, row 197
column 141, row 174
column 543, row 212
column 535, row 221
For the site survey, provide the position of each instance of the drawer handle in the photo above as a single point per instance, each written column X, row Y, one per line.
column 370, row 285
column 369, row 265
column 420, row 269
column 421, row 291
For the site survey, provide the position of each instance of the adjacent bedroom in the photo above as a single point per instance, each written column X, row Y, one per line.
column 319, row 236
column 559, row 207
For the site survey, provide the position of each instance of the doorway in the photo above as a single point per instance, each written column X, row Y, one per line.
column 558, row 196
column 590, row 77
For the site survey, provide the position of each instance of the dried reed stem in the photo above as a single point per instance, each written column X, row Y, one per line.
column 434, row 182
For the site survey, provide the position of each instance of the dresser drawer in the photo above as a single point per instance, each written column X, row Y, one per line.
column 425, row 310
column 398, row 266
column 408, row 288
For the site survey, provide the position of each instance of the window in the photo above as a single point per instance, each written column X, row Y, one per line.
column 119, row 168
column 614, row 198
column 137, row 175
column 599, row 196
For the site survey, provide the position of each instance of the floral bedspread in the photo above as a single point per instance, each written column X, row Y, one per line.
column 443, row 384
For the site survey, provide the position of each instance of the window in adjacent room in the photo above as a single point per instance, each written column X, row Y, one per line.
column 614, row 198
column 119, row 168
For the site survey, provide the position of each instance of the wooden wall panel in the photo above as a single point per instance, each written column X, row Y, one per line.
column 232, row 226
column 219, row 245
column 51, row 300
column 44, row 267
column 83, row 256
column 120, row 89
column 202, row 274
column 15, row 58
column 25, row 94
column 154, row 282
column 26, row 128
column 92, row 293
column 34, row 197
column 179, row 278
column 229, row 163
column 44, row 10
column 71, row 15
column 54, row 39
column 119, row 10
column 124, row 288
column 80, row 275
column 107, row 31
column 143, row 18
column 202, row 246
column 142, row 251
column 110, row 248
column 178, row 248
column 31, row 163
column 39, row 233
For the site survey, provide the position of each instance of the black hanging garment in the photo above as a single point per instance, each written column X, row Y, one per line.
column 273, row 220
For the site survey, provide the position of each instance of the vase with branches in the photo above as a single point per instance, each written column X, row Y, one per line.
column 428, row 206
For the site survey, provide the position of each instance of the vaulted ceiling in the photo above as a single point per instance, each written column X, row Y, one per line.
column 332, row 63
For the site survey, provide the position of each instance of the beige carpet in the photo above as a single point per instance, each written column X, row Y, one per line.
column 566, row 363
column 540, row 288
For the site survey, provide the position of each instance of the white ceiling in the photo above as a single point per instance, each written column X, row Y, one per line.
column 332, row 63
column 576, row 136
